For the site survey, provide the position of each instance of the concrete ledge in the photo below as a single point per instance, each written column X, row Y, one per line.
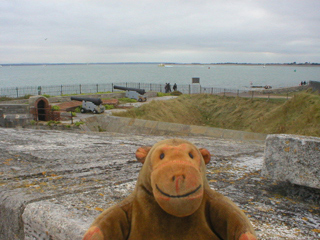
column 53, row 184
column 13, row 115
column 293, row 158
column 130, row 125
column 41, row 219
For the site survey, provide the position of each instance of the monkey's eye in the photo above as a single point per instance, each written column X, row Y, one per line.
column 162, row 156
column 190, row 155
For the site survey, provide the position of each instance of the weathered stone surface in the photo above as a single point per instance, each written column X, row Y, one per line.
column 293, row 158
column 54, row 183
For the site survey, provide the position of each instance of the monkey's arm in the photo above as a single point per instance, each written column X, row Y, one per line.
column 111, row 224
column 227, row 220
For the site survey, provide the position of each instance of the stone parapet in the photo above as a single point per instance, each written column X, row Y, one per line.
column 293, row 158
column 14, row 115
column 53, row 184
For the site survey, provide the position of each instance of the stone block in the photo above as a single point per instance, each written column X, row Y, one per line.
column 293, row 158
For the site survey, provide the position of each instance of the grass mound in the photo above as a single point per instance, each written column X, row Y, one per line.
column 298, row 115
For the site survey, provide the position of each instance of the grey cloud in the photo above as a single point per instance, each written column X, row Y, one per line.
column 209, row 31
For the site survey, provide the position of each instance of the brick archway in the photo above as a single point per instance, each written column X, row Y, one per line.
column 40, row 108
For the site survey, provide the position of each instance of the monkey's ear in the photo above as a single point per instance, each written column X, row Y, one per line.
column 205, row 154
column 142, row 153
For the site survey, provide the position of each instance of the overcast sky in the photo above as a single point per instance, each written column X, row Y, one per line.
column 205, row 31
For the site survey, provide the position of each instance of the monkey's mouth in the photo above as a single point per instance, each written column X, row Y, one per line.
column 178, row 196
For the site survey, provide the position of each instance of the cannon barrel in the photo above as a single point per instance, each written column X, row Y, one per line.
column 96, row 101
column 138, row 90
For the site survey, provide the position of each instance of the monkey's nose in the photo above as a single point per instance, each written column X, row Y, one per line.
column 178, row 177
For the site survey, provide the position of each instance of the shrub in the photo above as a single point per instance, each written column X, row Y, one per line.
column 55, row 108
column 78, row 109
column 176, row 93
column 78, row 123
column 127, row 100
column 107, row 106
column 73, row 114
column 161, row 94
column 53, row 122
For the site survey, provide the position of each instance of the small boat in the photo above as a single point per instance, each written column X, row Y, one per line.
column 265, row 87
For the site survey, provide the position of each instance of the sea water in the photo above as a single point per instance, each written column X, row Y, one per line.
column 217, row 76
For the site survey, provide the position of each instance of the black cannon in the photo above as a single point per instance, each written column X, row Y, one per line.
column 90, row 104
column 96, row 101
column 138, row 90
column 134, row 93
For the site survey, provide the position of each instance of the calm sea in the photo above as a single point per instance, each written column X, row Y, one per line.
column 218, row 76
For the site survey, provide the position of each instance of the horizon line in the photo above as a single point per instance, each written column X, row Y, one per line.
column 181, row 63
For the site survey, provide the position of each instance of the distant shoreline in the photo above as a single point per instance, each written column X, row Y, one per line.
column 168, row 64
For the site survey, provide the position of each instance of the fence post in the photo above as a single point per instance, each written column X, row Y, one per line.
column 39, row 90
column 80, row 89
column 17, row 92
column 111, row 87
column 238, row 93
column 97, row 88
column 252, row 95
column 61, row 90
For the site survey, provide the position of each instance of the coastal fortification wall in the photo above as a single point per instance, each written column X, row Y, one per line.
column 315, row 85
column 14, row 115
column 100, row 123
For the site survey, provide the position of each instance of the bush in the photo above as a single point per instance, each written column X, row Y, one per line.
column 107, row 106
column 53, row 122
column 78, row 109
column 73, row 114
column 55, row 108
column 127, row 100
column 176, row 93
column 161, row 94
column 78, row 123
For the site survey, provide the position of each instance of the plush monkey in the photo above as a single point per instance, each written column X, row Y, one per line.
column 172, row 200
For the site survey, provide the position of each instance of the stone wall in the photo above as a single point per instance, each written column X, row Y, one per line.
column 293, row 158
column 13, row 115
column 315, row 85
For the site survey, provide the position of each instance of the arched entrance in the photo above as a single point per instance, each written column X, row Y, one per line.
column 40, row 108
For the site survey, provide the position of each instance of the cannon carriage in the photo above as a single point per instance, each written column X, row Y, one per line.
column 133, row 93
column 93, row 105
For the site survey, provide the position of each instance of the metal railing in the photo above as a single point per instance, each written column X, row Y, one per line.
column 58, row 90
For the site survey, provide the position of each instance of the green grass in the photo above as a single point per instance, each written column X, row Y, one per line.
column 127, row 100
column 298, row 115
